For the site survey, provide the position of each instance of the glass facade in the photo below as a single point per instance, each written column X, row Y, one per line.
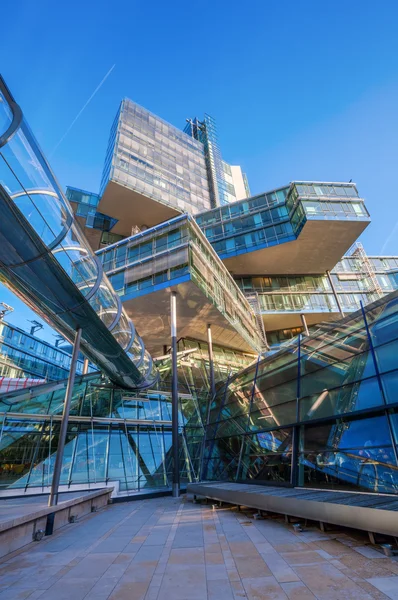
column 308, row 293
column 84, row 205
column 354, row 280
column 219, row 173
column 327, row 200
column 278, row 216
column 169, row 254
column 222, row 190
column 148, row 155
column 24, row 355
column 114, row 435
column 322, row 412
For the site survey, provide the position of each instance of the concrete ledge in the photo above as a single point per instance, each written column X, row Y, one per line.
column 63, row 489
column 369, row 512
column 17, row 532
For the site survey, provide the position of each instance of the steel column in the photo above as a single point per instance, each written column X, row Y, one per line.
column 53, row 498
column 336, row 297
column 304, row 322
column 211, row 361
column 85, row 366
column 174, row 396
column 296, row 428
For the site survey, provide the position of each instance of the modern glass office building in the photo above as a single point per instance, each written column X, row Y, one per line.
column 248, row 312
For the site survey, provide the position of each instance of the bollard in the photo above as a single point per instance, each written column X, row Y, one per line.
column 50, row 524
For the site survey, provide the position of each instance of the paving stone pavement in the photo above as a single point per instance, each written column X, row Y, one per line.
column 169, row 549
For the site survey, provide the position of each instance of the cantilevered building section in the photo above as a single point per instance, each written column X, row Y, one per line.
column 280, row 246
column 251, row 235
column 176, row 256
column 152, row 172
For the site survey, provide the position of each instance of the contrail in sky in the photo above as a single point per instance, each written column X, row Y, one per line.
column 81, row 110
column 390, row 237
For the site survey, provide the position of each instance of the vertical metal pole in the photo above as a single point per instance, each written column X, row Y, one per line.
column 296, row 428
column 49, row 450
column 335, row 294
column 53, row 499
column 174, row 395
column 304, row 322
column 137, row 457
column 211, row 361
column 2, row 425
column 85, row 366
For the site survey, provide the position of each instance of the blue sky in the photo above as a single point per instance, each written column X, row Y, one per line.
column 300, row 90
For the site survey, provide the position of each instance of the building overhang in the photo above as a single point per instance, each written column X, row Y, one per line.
column 151, row 312
column 274, row 321
column 319, row 246
column 133, row 209
column 93, row 236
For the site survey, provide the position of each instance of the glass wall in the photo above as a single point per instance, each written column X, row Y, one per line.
column 113, row 436
column 84, row 205
column 152, row 157
column 259, row 221
column 222, row 190
column 319, row 413
column 278, row 216
column 23, row 355
column 354, row 278
column 308, row 293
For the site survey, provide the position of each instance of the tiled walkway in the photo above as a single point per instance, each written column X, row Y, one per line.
column 165, row 549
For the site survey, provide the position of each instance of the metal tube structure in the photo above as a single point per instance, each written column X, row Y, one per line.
column 211, row 361
column 53, row 498
column 48, row 263
column 174, row 396
column 336, row 297
column 85, row 366
column 304, row 322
